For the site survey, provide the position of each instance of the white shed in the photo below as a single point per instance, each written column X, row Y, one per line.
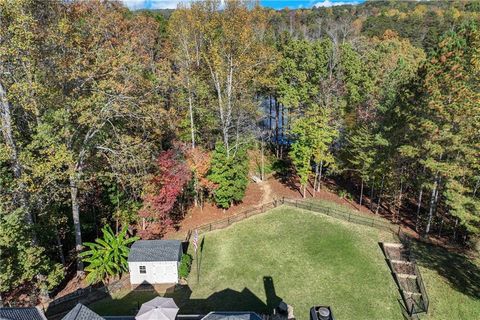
column 154, row 261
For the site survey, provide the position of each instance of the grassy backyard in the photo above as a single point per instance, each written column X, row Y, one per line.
column 308, row 259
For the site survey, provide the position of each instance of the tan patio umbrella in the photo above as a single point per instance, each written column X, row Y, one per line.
column 158, row 309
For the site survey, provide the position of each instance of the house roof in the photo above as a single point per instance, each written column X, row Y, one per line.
column 80, row 312
column 155, row 250
column 30, row 313
column 215, row 315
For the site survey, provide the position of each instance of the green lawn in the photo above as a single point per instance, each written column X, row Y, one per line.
column 308, row 259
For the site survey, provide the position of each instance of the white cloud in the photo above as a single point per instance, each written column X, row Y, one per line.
column 156, row 4
column 329, row 3
column 151, row 4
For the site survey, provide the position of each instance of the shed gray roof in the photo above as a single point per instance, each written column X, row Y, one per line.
column 232, row 316
column 155, row 250
column 30, row 313
column 80, row 312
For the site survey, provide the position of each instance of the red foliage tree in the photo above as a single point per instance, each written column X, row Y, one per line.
column 198, row 160
column 162, row 193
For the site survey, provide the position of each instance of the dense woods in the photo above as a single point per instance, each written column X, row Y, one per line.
column 128, row 119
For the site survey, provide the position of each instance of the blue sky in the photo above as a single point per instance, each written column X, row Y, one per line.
column 277, row 4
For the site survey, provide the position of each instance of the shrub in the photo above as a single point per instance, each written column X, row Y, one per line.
column 107, row 256
column 342, row 193
column 185, row 265
column 280, row 166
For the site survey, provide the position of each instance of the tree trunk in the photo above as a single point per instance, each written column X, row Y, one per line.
column 283, row 127
column 304, row 190
column 371, row 195
column 432, row 204
column 270, row 113
column 320, row 176
column 477, row 185
column 277, row 123
column 455, row 230
column 361, row 193
column 224, row 107
column 399, row 196
column 21, row 195
column 190, row 110
column 262, row 173
column 419, row 206
column 441, row 227
column 316, row 178
column 380, row 195
column 60, row 248
column 76, row 219
column 195, row 189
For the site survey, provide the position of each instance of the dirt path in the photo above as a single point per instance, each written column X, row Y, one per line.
column 267, row 195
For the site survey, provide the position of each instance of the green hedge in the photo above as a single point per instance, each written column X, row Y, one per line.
column 185, row 265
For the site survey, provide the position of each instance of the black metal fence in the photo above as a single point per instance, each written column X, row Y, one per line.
column 220, row 224
column 425, row 303
column 60, row 306
column 336, row 213
column 344, row 215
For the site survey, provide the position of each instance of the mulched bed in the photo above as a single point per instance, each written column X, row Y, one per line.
column 396, row 253
column 408, row 284
column 403, row 267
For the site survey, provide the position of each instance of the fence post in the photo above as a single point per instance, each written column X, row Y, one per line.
column 283, row 200
column 210, row 227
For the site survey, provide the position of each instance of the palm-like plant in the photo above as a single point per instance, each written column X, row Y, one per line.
column 107, row 257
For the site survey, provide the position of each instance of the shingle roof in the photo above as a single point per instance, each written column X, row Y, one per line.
column 80, row 312
column 155, row 250
column 232, row 316
column 31, row 313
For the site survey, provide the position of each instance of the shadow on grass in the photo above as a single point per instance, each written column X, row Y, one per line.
column 462, row 274
column 224, row 300
column 227, row 300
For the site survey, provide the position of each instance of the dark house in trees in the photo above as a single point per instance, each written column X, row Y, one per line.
column 154, row 261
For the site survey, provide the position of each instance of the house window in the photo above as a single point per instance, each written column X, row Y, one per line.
column 143, row 269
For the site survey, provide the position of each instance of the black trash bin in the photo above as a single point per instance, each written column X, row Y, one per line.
column 321, row 313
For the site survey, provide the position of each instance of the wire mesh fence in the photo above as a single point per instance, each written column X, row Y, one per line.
column 407, row 277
